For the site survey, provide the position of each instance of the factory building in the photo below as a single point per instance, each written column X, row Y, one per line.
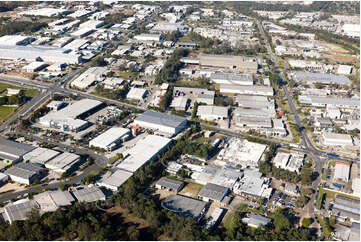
column 40, row 155
column 89, row 77
column 169, row 184
column 346, row 208
column 334, row 139
column 324, row 78
column 238, row 63
column 232, row 78
column 115, row 180
column 13, row 152
column 246, row 90
column 212, row 112
column 33, row 53
column 65, row 162
column 110, row 139
column 16, row 40
column 185, row 206
column 19, row 210
column 213, row 192
column 70, row 117
column 24, row 173
column 329, row 101
column 148, row 37
column 342, row 171
column 143, row 152
column 291, row 162
column 34, row 66
column 88, row 194
column 161, row 122
column 137, row 93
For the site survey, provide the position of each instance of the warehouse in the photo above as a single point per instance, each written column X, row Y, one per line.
column 180, row 103
column 89, row 77
column 148, row 37
column 34, row 66
column 334, row 139
column 33, row 53
column 161, row 122
column 20, row 175
column 326, row 101
column 278, row 127
column 344, row 70
column 212, row 112
column 252, row 184
column 246, row 90
column 19, row 210
column 346, row 208
column 185, row 206
column 81, row 33
column 40, row 155
column 91, row 24
column 110, row 139
column 232, row 78
column 254, row 102
column 166, row 27
column 77, row 44
column 239, row 63
column 200, row 95
column 143, row 152
column 137, row 93
column 169, row 184
column 324, row 78
column 63, row 41
column 252, row 122
column 46, row 12
column 15, row 40
column 13, row 152
column 213, row 192
column 342, row 171
column 65, row 162
column 69, row 118
column 88, row 194
column 56, row 67
column 50, row 201
column 292, row 162
column 115, row 180
column 3, row 178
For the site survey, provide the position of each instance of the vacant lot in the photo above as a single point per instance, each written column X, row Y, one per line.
column 28, row 92
column 6, row 112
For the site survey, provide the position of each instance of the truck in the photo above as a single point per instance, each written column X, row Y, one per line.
column 332, row 155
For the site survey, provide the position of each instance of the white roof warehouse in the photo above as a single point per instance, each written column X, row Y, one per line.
column 110, row 138
column 164, row 123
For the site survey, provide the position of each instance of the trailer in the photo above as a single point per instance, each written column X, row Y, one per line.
column 332, row 155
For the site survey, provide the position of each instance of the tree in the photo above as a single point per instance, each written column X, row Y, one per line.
column 301, row 201
column 306, row 176
column 306, row 222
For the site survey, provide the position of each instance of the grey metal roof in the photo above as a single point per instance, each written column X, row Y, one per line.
column 61, row 198
column 88, row 194
column 30, row 166
column 19, row 211
column 213, row 191
column 326, row 78
column 170, row 183
column 232, row 77
column 11, row 148
column 19, row 172
column 161, row 119
column 185, row 206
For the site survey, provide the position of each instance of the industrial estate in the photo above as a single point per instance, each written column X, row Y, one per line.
column 180, row 120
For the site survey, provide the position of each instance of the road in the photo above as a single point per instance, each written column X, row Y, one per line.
column 316, row 155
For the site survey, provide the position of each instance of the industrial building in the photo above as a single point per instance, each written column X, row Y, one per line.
column 342, row 171
column 148, row 37
column 253, row 118
column 326, row 101
column 40, row 155
column 346, row 208
column 200, row 95
column 34, row 66
column 180, row 103
column 65, row 162
column 21, row 175
column 115, row 180
column 344, row 70
column 238, row 63
column 334, row 139
column 46, row 12
column 242, row 152
column 19, row 210
column 256, row 220
column 91, row 24
column 246, row 90
column 33, row 53
column 212, row 112
column 88, row 194
column 232, row 78
column 89, row 77
column 214, row 219
column 161, row 122
column 110, row 139
column 291, row 162
column 143, row 152
column 169, row 184
column 50, row 201
column 185, row 206
column 63, row 41
column 213, row 192
column 3, row 178
column 70, row 117
column 13, row 152
column 255, row 102
column 166, row 27
column 278, row 127
column 253, row 185
column 324, row 78
column 81, row 33
column 16, row 40
column 137, row 93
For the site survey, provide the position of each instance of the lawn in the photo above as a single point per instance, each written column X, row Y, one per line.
column 6, row 112
column 28, row 92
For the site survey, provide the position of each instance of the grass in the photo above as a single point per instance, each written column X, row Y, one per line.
column 28, row 92
column 191, row 188
column 127, row 75
column 6, row 112
column 228, row 221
